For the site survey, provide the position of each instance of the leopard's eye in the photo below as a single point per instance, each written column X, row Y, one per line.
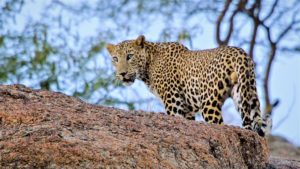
column 129, row 56
column 115, row 59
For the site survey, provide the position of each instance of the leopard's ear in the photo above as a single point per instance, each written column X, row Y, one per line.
column 140, row 41
column 110, row 47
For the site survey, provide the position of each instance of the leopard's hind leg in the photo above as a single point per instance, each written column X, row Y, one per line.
column 245, row 96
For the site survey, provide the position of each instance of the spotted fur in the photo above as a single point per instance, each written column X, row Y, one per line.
column 189, row 81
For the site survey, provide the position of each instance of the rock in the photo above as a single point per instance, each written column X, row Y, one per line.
column 281, row 163
column 279, row 146
column 43, row 129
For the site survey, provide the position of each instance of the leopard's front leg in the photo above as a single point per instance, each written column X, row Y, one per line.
column 176, row 106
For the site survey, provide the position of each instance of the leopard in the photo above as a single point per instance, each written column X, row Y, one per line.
column 188, row 82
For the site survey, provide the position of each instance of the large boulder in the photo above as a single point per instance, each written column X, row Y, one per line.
column 46, row 129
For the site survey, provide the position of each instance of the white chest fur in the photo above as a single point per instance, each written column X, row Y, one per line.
column 154, row 92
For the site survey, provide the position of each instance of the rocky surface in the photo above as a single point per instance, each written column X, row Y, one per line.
column 283, row 163
column 42, row 129
column 279, row 146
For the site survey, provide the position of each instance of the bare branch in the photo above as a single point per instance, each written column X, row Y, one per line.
column 239, row 7
column 271, row 11
column 273, row 49
column 268, row 106
column 268, row 32
column 253, row 38
column 280, row 122
column 219, row 21
column 256, row 23
column 231, row 25
column 294, row 49
column 288, row 28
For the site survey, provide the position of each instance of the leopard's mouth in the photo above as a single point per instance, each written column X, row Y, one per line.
column 128, row 80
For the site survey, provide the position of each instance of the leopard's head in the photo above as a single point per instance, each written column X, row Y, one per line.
column 129, row 59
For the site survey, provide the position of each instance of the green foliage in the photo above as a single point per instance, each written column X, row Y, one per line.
column 49, row 52
column 1, row 40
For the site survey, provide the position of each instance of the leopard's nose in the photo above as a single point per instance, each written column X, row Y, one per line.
column 123, row 73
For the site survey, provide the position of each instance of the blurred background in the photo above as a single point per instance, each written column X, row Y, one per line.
column 59, row 45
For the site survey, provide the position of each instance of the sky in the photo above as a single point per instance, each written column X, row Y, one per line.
column 284, row 81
